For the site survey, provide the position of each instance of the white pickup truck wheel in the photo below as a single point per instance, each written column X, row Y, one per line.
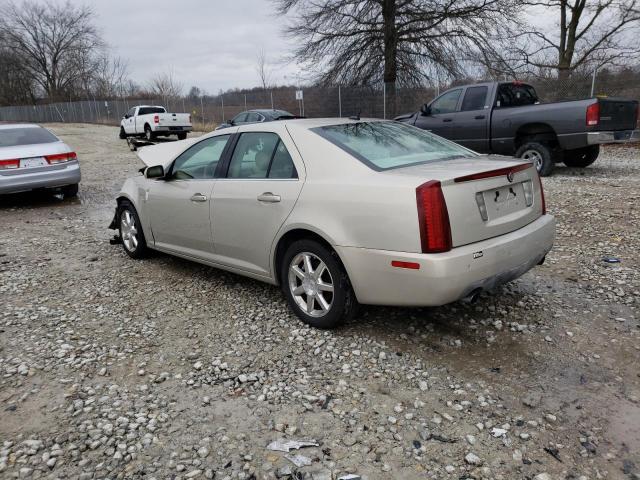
column 148, row 134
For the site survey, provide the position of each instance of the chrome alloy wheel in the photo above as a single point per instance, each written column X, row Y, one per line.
column 533, row 156
column 128, row 230
column 311, row 284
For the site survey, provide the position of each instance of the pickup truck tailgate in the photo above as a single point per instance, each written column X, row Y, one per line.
column 617, row 114
column 174, row 119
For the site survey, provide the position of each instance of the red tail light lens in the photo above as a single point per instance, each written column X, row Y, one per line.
column 593, row 114
column 9, row 164
column 156, row 119
column 433, row 218
column 61, row 158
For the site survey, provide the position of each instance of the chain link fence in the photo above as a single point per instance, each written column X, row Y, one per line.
column 339, row 101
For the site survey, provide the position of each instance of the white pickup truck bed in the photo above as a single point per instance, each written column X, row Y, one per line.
column 152, row 121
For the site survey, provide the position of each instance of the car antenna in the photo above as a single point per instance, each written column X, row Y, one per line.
column 356, row 116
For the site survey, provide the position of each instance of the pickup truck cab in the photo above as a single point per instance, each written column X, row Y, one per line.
column 507, row 118
column 152, row 121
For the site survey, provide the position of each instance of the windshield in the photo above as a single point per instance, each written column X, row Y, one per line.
column 385, row 145
column 13, row 137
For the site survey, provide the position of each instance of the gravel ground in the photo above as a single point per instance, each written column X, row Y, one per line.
column 115, row 368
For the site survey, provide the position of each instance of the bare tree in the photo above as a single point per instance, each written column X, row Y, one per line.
column 586, row 34
column 110, row 75
column 263, row 70
column 396, row 41
column 165, row 85
column 56, row 42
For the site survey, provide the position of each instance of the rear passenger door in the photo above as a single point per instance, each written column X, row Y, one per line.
column 470, row 126
column 255, row 193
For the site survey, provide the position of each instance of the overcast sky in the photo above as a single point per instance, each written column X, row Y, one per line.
column 209, row 43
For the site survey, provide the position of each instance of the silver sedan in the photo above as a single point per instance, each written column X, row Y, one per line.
column 31, row 157
column 340, row 212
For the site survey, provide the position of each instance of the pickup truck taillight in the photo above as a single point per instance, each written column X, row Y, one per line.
column 61, row 158
column 433, row 218
column 593, row 114
column 156, row 119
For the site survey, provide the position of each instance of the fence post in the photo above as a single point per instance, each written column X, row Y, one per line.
column 339, row 102
column 245, row 101
column 271, row 100
column 222, row 101
column 593, row 80
column 202, row 110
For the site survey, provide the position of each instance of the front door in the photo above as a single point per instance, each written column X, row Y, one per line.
column 252, row 201
column 471, row 123
column 440, row 118
column 180, row 205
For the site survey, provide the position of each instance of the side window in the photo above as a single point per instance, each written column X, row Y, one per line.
column 474, row 99
column 252, row 117
column 446, row 103
column 240, row 118
column 261, row 155
column 131, row 112
column 282, row 163
column 200, row 161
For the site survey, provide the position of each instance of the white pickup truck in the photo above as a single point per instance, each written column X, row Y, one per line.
column 153, row 121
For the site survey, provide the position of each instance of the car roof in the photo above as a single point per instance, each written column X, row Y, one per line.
column 5, row 126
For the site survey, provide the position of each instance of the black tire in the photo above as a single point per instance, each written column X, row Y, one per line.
column 581, row 157
column 148, row 134
column 135, row 248
column 541, row 155
column 182, row 136
column 70, row 191
column 123, row 134
column 342, row 303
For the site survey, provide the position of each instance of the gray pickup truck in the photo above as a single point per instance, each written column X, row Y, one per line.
column 507, row 118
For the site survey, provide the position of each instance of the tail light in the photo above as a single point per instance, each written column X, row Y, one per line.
column 9, row 164
column 61, row 158
column 433, row 218
column 156, row 119
column 593, row 114
column 544, row 203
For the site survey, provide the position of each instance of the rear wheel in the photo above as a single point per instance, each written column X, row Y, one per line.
column 539, row 154
column 581, row 157
column 316, row 285
column 70, row 190
column 123, row 134
column 182, row 136
column 131, row 233
column 148, row 134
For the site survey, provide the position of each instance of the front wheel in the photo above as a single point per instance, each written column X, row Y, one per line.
column 539, row 154
column 131, row 233
column 581, row 157
column 316, row 285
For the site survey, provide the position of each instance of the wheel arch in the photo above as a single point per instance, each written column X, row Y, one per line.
column 298, row 233
column 538, row 131
column 146, row 228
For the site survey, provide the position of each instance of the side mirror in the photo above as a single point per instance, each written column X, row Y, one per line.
column 157, row 171
column 230, row 122
column 425, row 110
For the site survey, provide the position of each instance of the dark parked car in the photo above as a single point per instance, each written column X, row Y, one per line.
column 507, row 118
column 257, row 116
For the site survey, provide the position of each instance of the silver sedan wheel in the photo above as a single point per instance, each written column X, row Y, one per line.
column 533, row 156
column 128, row 230
column 311, row 284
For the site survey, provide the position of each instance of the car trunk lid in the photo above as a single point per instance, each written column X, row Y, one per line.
column 484, row 197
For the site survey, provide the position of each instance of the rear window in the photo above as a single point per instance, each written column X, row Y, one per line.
column 148, row 110
column 13, row 137
column 386, row 145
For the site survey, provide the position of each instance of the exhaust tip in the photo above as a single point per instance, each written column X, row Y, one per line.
column 472, row 297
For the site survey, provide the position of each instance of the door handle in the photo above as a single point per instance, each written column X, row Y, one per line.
column 479, row 117
column 446, row 120
column 198, row 197
column 268, row 197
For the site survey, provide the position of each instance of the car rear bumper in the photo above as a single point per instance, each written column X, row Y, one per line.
column 446, row 277
column 53, row 176
column 618, row 136
column 172, row 129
